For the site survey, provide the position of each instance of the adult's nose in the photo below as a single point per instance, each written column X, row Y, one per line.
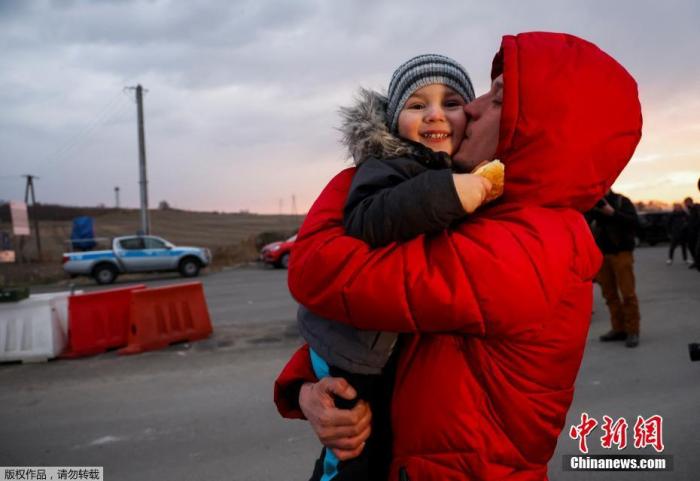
column 470, row 109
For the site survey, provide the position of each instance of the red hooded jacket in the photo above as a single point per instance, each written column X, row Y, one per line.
column 497, row 310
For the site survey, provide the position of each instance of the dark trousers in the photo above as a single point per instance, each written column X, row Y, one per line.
column 694, row 244
column 374, row 461
column 675, row 242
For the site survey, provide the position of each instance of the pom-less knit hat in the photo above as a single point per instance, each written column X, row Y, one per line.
column 421, row 71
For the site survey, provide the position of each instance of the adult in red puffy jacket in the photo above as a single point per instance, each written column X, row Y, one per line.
column 496, row 310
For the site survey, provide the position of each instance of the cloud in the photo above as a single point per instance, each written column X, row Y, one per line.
column 243, row 96
column 666, row 156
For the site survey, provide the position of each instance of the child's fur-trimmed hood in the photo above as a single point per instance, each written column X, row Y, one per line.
column 366, row 134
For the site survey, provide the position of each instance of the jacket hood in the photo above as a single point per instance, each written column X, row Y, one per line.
column 366, row 134
column 571, row 120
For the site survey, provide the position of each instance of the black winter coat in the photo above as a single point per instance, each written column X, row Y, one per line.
column 615, row 233
column 398, row 199
column 677, row 225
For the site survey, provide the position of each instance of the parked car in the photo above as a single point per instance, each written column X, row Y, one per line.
column 277, row 253
column 136, row 254
column 653, row 227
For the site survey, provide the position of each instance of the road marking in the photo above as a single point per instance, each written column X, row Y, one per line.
column 106, row 440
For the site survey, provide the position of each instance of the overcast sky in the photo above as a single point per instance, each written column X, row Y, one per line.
column 241, row 108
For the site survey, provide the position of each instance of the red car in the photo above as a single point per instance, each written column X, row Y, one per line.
column 277, row 253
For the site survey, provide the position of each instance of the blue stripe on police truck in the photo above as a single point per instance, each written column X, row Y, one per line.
column 153, row 253
column 92, row 255
column 134, row 253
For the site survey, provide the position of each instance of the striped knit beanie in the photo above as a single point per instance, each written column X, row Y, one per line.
column 421, row 71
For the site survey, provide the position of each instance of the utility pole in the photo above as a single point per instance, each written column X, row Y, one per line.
column 27, row 188
column 143, row 181
column 116, row 197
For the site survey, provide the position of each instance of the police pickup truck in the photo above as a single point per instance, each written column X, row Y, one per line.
column 136, row 254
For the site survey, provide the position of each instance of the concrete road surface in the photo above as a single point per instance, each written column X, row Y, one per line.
column 204, row 411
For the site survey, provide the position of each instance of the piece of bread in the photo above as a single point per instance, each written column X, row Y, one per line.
column 495, row 172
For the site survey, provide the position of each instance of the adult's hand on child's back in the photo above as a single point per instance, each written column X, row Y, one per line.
column 344, row 431
column 472, row 190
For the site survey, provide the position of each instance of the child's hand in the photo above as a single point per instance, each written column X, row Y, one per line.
column 472, row 190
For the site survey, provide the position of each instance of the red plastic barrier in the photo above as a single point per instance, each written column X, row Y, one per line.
column 98, row 321
column 166, row 315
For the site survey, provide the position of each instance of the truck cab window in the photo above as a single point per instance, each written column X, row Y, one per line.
column 133, row 243
column 152, row 243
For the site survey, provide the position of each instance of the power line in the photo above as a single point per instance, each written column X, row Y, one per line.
column 110, row 110
column 96, row 119
column 83, row 137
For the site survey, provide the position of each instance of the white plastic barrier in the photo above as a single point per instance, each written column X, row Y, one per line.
column 34, row 330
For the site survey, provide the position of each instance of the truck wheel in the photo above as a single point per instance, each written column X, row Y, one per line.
column 284, row 261
column 104, row 273
column 189, row 267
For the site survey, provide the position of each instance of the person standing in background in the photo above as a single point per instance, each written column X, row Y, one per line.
column 693, row 211
column 614, row 223
column 677, row 227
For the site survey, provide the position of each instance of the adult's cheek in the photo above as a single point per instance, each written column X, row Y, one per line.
column 461, row 161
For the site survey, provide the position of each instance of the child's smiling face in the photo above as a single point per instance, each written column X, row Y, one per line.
column 434, row 116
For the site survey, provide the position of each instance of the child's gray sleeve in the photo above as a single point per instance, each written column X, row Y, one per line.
column 343, row 346
column 399, row 199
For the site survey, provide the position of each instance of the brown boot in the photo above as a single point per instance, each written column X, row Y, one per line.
column 632, row 340
column 613, row 336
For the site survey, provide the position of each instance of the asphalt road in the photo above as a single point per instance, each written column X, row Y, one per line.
column 204, row 411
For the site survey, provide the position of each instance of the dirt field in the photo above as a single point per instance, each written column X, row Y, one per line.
column 231, row 237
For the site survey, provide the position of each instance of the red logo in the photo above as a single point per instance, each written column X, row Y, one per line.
column 614, row 433
column 647, row 432
column 582, row 431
